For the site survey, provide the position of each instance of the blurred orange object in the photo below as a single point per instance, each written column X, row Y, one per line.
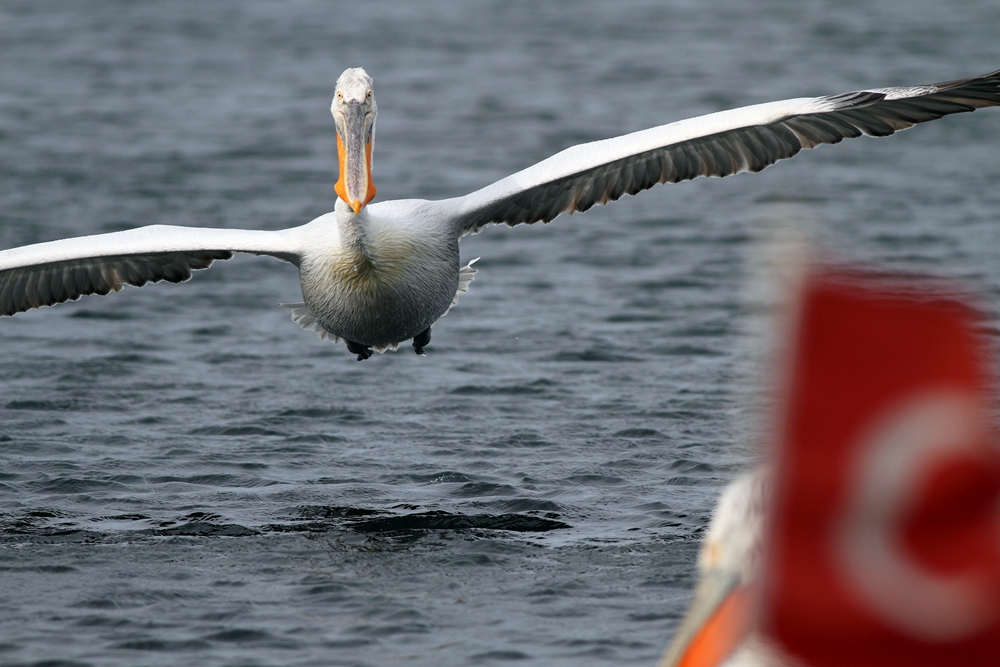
column 884, row 540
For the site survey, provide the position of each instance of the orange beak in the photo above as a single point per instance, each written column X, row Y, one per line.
column 719, row 619
column 354, row 153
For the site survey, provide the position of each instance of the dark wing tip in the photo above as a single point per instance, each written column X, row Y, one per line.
column 25, row 288
column 875, row 113
column 854, row 100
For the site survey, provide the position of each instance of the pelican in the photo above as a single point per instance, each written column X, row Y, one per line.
column 375, row 275
column 719, row 626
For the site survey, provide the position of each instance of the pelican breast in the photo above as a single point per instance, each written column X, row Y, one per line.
column 385, row 291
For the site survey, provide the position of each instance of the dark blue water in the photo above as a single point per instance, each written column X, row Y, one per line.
column 188, row 478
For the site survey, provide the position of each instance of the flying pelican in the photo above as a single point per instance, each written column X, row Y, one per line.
column 377, row 275
column 719, row 628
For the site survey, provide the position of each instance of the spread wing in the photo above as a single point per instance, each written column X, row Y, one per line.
column 719, row 144
column 49, row 273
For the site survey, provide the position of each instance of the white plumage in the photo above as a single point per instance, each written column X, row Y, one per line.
column 729, row 568
column 376, row 275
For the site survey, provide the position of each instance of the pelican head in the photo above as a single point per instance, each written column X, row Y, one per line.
column 720, row 619
column 354, row 113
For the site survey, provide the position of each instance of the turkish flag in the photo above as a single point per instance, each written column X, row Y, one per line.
column 884, row 543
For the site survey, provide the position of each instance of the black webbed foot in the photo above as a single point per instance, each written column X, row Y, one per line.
column 421, row 340
column 363, row 351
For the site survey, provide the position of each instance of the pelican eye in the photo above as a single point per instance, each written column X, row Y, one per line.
column 368, row 95
column 340, row 95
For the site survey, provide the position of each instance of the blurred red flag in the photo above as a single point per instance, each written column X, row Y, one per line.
column 885, row 536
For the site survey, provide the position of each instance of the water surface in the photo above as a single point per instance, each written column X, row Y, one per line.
column 187, row 478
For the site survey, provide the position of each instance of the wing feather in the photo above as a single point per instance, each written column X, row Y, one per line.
column 49, row 273
column 721, row 144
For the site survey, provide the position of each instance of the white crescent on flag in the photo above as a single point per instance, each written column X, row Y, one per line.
column 884, row 540
column 875, row 540
column 894, row 459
